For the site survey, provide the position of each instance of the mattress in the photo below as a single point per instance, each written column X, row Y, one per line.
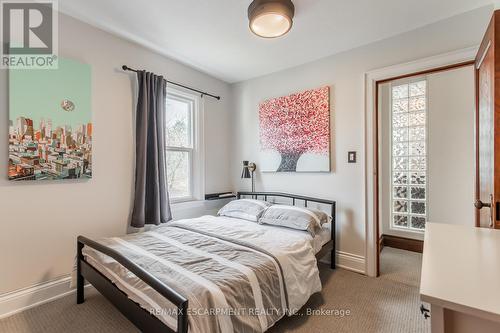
column 293, row 249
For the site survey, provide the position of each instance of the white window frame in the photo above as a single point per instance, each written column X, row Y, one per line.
column 409, row 228
column 196, row 151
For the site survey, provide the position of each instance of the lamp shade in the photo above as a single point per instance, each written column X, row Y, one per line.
column 245, row 173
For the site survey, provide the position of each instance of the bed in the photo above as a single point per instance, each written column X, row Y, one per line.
column 235, row 275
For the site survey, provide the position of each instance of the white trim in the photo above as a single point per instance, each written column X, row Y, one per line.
column 370, row 79
column 348, row 261
column 23, row 299
column 199, row 156
column 209, row 205
column 197, row 150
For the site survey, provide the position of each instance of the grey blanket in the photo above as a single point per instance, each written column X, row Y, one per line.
column 231, row 286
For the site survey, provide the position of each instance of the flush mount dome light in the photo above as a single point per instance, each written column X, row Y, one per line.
column 271, row 18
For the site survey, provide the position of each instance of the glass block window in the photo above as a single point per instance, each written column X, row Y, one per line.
column 409, row 155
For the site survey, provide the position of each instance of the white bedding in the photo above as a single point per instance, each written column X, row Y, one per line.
column 322, row 237
column 294, row 249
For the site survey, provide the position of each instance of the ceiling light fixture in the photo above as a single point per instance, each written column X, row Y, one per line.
column 271, row 18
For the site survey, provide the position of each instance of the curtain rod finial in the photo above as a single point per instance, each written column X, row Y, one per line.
column 124, row 67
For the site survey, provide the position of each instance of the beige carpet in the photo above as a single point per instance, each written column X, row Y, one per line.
column 386, row 304
column 401, row 266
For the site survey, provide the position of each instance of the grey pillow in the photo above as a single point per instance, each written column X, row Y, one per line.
column 293, row 217
column 247, row 209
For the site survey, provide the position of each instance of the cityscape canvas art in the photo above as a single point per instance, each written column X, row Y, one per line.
column 295, row 132
column 50, row 123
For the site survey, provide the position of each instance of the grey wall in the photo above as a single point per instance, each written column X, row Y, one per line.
column 345, row 74
column 40, row 222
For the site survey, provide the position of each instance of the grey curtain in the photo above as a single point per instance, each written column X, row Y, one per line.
column 151, row 202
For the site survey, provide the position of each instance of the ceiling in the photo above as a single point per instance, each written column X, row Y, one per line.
column 213, row 35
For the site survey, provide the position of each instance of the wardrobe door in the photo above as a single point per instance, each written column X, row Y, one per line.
column 487, row 127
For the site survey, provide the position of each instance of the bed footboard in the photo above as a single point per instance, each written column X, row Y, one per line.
column 141, row 318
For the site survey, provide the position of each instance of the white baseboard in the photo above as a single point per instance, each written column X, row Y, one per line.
column 23, row 299
column 352, row 262
column 349, row 261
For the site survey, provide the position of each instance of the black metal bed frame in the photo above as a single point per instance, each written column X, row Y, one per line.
column 141, row 318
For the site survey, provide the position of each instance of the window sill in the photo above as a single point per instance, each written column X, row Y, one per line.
column 182, row 200
column 196, row 208
column 195, row 203
column 186, row 203
column 403, row 229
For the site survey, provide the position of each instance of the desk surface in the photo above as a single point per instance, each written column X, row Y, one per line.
column 461, row 269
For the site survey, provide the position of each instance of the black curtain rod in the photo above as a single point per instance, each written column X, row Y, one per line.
column 126, row 68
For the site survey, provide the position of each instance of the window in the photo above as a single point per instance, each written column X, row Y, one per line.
column 183, row 149
column 409, row 155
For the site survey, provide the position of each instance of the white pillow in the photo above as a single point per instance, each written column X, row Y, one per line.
column 247, row 209
column 300, row 218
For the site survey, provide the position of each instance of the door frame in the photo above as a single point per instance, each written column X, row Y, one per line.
column 460, row 58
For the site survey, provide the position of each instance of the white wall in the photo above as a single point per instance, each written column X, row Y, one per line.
column 451, row 149
column 40, row 222
column 345, row 74
column 451, row 159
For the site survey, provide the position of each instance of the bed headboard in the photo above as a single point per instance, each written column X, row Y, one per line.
column 297, row 198
column 294, row 197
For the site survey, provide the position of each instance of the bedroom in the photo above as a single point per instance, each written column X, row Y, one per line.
column 209, row 46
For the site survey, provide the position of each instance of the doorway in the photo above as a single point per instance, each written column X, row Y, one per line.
column 425, row 159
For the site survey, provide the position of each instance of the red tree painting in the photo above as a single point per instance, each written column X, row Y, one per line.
column 296, row 124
